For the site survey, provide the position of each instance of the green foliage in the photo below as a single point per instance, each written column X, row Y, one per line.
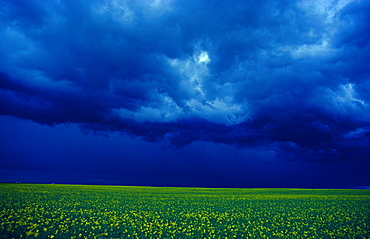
column 78, row 211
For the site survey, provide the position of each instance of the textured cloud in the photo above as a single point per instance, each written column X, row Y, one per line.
column 291, row 76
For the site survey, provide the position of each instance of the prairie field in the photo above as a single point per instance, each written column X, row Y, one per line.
column 85, row 211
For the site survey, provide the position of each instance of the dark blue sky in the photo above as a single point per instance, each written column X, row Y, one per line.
column 186, row 93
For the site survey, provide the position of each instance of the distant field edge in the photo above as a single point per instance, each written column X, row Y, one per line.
column 192, row 187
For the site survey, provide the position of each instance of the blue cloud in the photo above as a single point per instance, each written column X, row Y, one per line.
column 291, row 76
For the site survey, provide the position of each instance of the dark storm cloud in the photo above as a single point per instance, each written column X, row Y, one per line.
column 288, row 76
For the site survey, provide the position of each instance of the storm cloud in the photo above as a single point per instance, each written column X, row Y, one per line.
column 288, row 76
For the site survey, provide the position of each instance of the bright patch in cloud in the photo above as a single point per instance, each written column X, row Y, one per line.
column 118, row 10
column 203, row 57
column 313, row 50
column 347, row 94
column 165, row 110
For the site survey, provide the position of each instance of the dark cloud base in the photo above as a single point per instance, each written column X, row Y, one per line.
column 34, row 153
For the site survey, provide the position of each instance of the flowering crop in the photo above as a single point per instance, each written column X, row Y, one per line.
column 80, row 211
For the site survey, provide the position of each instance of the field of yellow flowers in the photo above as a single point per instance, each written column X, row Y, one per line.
column 80, row 211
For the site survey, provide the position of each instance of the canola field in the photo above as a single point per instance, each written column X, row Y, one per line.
column 81, row 211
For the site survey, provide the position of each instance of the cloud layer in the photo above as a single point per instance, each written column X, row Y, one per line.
column 291, row 76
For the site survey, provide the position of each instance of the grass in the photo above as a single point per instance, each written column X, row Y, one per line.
column 85, row 211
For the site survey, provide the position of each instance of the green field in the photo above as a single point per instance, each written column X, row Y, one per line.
column 78, row 211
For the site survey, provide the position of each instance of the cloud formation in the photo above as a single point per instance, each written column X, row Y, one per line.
column 292, row 76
